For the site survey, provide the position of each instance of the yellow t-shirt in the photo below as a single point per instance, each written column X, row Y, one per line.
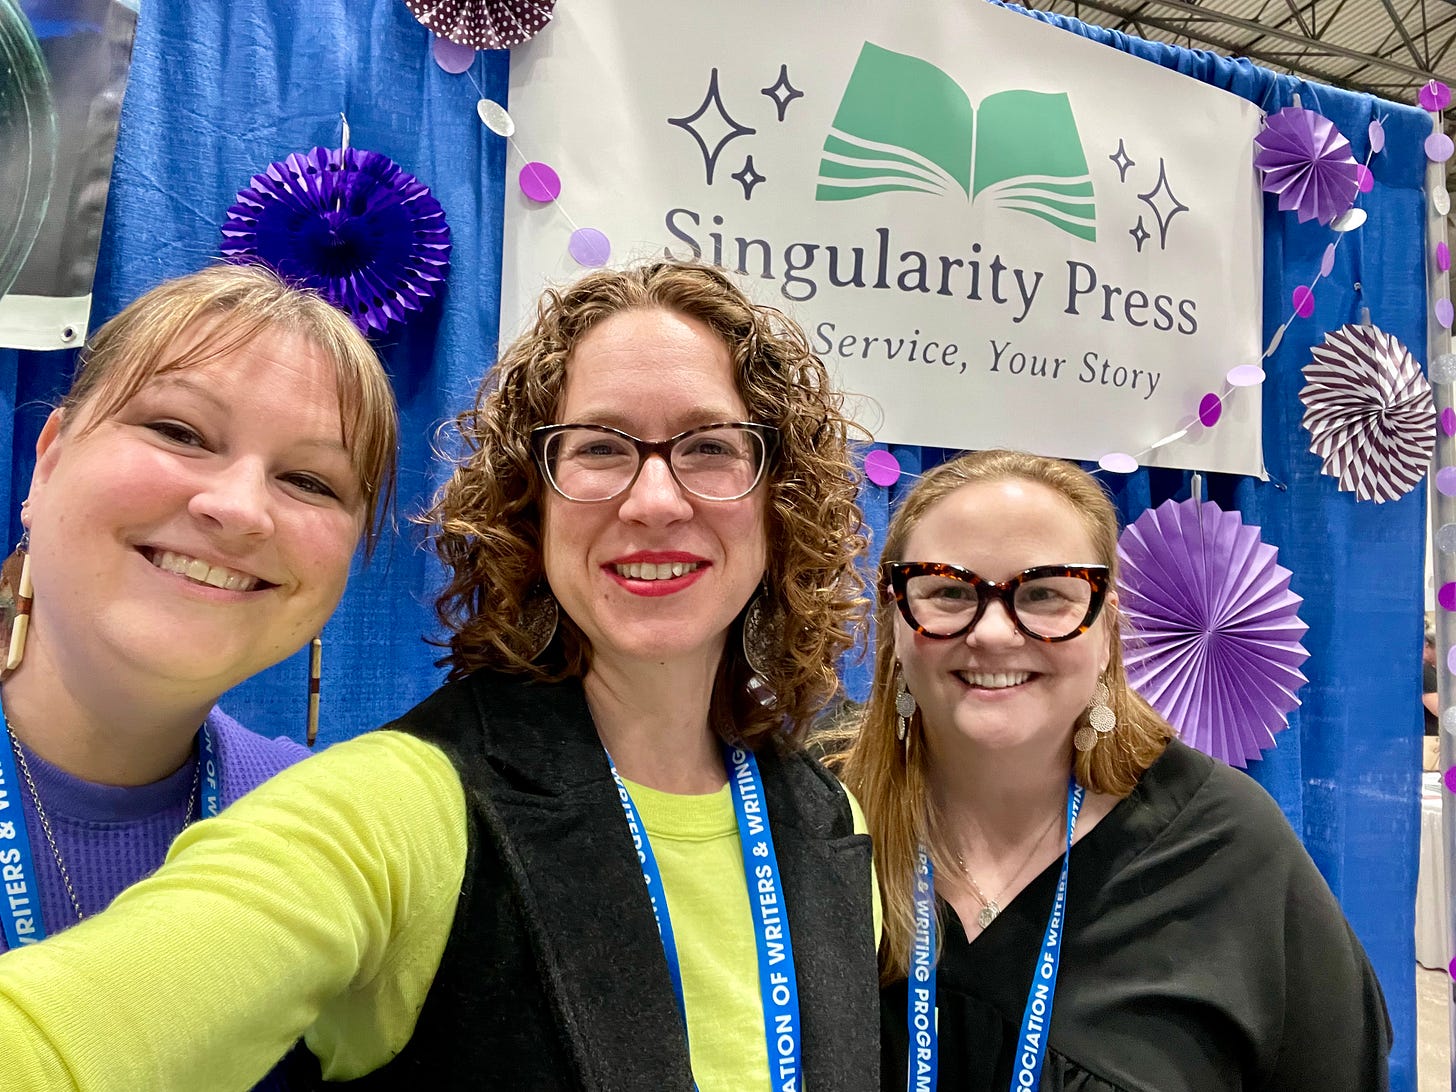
column 695, row 841
column 321, row 903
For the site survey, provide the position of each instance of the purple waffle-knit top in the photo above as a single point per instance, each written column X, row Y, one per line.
column 111, row 836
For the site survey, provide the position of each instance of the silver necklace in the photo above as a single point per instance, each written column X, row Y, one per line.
column 45, row 823
column 991, row 908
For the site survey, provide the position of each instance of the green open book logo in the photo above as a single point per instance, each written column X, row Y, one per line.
column 904, row 125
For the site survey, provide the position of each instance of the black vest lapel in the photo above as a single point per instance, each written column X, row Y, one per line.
column 554, row 938
column 827, row 884
column 547, row 799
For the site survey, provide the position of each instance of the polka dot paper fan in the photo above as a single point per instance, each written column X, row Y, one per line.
column 484, row 24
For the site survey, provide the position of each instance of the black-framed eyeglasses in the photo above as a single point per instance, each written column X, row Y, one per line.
column 1048, row 603
column 718, row 462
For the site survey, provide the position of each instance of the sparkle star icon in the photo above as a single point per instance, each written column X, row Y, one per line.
column 1139, row 234
column 1165, row 206
column 747, row 177
column 730, row 127
column 1122, row 161
column 782, row 92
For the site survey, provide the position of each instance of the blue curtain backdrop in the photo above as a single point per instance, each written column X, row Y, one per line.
column 220, row 88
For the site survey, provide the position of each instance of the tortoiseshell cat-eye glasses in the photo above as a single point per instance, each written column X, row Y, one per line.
column 1047, row 603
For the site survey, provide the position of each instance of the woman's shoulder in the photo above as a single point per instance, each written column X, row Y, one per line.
column 247, row 757
column 1189, row 809
column 1184, row 778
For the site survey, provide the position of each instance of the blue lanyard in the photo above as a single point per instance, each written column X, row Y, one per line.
column 776, row 977
column 21, row 918
column 921, row 1013
column 209, row 781
column 20, row 902
column 920, row 1010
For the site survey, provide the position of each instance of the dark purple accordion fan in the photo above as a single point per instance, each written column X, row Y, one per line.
column 351, row 224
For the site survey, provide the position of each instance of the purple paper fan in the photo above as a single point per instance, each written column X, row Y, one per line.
column 1369, row 412
column 1307, row 162
column 484, row 24
column 351, row 224
column 1213, row 631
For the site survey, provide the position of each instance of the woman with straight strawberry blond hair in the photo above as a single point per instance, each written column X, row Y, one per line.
column 1075, row 900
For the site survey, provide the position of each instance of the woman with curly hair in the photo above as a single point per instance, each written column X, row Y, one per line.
column 597, row 858
column 1116, row 911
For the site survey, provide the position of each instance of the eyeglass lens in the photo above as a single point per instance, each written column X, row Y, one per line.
column 717, row 464
column 1048, row 606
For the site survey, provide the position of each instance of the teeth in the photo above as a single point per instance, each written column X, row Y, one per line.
column 640, row 570
column 997, row 680
column 202, row 573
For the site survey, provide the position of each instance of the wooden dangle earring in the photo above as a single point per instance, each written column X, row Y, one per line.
column 315, row 684
column 16, row 597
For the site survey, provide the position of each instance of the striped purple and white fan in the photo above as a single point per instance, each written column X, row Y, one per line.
column 1369, row 413
column 484, row 24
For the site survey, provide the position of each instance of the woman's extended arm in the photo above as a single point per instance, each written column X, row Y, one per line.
column 320, row 902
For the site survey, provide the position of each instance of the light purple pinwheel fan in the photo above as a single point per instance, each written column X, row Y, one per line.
column 1370, row 413
column 367, row 235
column 1212, row 635
column 1306, row 161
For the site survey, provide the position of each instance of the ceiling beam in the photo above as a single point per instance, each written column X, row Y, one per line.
column 1299, row 18
column 1415, row 53
column 1204, row 13
column 1176, row 27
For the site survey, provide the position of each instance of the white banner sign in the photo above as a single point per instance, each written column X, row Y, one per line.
column 996, row 232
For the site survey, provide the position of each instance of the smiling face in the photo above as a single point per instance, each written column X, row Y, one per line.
column 654, row 574
column 204, row 530
column 995, row 687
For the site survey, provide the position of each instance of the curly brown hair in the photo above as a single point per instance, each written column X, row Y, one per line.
column 891, row 780
column 487, row 517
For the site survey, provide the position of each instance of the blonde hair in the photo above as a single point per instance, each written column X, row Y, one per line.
column 243, row 301
column 488, row 515
column 894, row 788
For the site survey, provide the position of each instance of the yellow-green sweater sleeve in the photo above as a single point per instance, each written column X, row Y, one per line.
column 320, row 903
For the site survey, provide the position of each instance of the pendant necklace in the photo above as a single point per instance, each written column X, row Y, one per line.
column 991, row 908
column 45, row 823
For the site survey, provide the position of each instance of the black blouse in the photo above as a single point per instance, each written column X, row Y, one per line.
column 1203, row 952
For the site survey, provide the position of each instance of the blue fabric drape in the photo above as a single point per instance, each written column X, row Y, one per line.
column 1347, row 770
column 220, row 88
